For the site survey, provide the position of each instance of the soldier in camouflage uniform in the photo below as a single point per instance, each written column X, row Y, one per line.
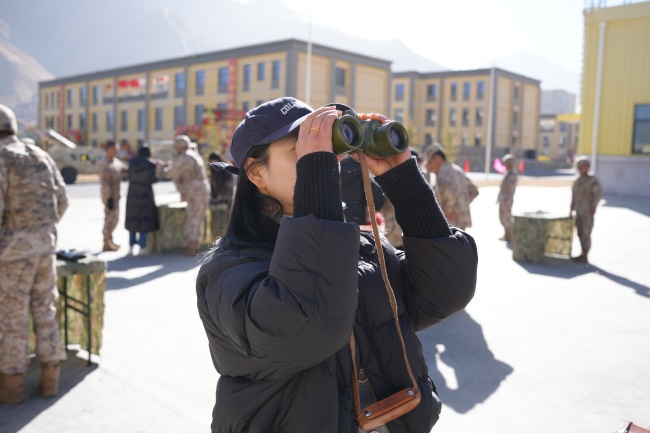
column 453, row 189
column 586, row 193
column 188, row 173
column 110, row 178
column 32, row 200
column 506, row 196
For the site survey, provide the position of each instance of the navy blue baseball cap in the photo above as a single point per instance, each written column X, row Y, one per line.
column 267, row 123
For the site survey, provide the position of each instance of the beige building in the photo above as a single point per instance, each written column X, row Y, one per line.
column 558, row 136
column 455, row 108
column 206, row 95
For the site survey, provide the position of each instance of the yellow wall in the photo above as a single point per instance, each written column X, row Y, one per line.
column 625, row 72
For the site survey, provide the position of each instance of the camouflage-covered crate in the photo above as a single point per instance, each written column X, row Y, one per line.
column 535, row 234
column 170, row 236
column 74, row 278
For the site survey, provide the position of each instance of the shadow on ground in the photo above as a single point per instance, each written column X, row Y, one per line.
column 458, row 344
column 637, row 204
column 163, row 264
column 14, row 417
column 564, row 268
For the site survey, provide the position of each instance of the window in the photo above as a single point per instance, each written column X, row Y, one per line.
column 339, row 77
column 110, row 121
column 562, row 141
column 68, row 122
column 222, row 86
column 515, row 94
column 428, row 139
column 124, row 120
column 546, row 142
column 479, row 117
column 465, row 116
column 454, row 91
column 562, row 126
column 641, row 133
column 430, row 117
column 246, row 85
column 82, row 121
column 158, row 115
column 245, row 106
column 432, row 92
column 83, row 96
column 198, row 114
column 514, row 119
column 399, row 115
column 140, row 119
column 95, row 94
column 95, row 144
column 480, row 90
column 199, row 85
column 68, row 99
column 399, row 92
column 179, row 116
column 452, row 117
column 261, row 71
column 95, row 122
column 179, row 85
column 276, row 75
column 478, row 140
column 463, row 139
column 47, row 100
column 467, row 86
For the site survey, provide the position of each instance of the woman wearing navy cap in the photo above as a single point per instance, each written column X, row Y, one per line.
column 290, row 282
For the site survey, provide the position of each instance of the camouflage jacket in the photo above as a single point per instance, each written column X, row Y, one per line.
column 508, row 186
column 188, row 173
column 110, row 177
column 33, row 199
column 586, row 193
column 453, row 194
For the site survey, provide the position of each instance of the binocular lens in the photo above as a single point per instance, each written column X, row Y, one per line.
column 349, row 134
column 397, row 138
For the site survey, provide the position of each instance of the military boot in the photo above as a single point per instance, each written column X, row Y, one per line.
column 109, row 246
column 116, row 246
column 582, row 258
column 50, row 374
column 11, row 388
column 192, row 249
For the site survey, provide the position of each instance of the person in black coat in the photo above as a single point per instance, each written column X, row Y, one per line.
column 288, row 285
column 141, row 210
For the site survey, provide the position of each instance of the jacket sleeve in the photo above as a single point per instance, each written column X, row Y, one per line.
column 61, row 192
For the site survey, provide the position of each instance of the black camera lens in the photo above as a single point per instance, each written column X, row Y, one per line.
column 349, row 134
column 397, row 138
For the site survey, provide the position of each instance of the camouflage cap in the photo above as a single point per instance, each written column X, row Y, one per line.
column 8, row 120
column 581, row 160
column 27, row 141
column 508, row 157
column 182, row 142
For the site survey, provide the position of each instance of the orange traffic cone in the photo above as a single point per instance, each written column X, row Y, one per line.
column 521, row 166
column 466, row 168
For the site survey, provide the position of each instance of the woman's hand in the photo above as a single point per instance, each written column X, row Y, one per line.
column 316, row 132
column 381, row 166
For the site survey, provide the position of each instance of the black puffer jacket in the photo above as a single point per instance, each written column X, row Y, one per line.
column 278, row 322
column 141, row 211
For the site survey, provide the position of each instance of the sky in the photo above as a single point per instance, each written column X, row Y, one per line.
column 461, row 34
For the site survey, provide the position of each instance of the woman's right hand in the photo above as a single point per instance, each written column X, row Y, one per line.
column 316, row 132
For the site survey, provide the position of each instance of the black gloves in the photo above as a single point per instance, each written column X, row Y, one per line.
column 110, row 204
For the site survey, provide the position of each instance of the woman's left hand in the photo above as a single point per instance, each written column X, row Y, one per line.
column 381, row 166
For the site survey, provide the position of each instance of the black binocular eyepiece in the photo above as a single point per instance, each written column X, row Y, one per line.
column 377, row 140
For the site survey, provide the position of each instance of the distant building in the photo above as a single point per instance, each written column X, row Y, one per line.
column 453, row 108
column 205, row 96
column 615, row 127
column 558, row 136
column 557, row 102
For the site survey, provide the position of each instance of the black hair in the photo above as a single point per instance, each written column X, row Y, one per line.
column 214, row 156
column 254, row 217
column 109, row 144
column 144, row 152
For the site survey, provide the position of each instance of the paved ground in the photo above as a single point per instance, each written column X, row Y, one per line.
column 554, row 347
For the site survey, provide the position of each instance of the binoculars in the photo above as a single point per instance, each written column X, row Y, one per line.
column 377, row 140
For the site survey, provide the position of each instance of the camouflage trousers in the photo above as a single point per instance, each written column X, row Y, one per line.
column 28, row 284
column 584, row 225
column 505, row 217
column 111, row 218
column 195, row 218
